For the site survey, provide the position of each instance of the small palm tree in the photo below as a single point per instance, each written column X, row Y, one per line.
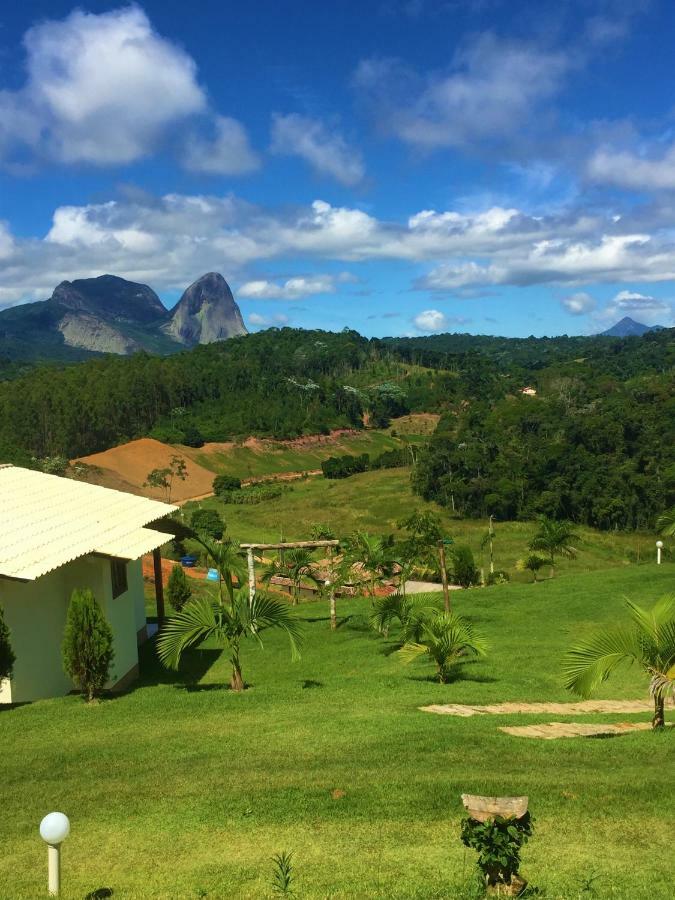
column 339, row 572
column 449, row 640
column 299, row 564
column 488, row 540
column 411, row 614
column 531, row 563
column 229, row 619
column 650, row 643
column 375, row 555
column 554, row 539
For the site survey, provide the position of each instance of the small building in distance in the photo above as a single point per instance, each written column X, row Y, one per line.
column 57, row 535
column 529, row 391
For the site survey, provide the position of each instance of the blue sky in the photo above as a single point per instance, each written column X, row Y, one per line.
column 395, row 166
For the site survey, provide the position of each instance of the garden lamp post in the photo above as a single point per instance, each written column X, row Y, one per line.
column 659, row 548
column 54, row 829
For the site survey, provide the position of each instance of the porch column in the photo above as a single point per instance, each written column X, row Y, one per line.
column 159, row 587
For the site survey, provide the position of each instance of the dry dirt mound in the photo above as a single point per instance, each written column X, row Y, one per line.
column 126, row 468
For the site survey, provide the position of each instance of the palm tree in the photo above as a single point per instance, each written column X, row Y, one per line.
column 554, row 539
column 448, row 640
column 650, row 643
column 531, row 563
column 227, row 620
column 410, row 613
column 665, row 524
column 339, row 572
column 299, row 564
column 374, row 554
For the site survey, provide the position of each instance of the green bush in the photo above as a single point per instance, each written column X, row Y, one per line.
column 464, row 567
column 224, row 483
column 255, row 494
column 7, row 658
column 87, row 644
column 178, row 590
column 207, row 521
column 499, row 576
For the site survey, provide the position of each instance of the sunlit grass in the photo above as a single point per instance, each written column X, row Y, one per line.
column 181, row 789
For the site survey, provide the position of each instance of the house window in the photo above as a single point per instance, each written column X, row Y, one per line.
column 118, row 576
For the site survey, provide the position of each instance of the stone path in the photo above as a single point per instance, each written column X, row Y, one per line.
column 552, row 730
column 560, row 709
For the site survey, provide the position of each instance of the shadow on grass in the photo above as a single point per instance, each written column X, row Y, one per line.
column 454, row 678
column 99, row 893
column 341, row 621
column 194, row 665
column 310, row 683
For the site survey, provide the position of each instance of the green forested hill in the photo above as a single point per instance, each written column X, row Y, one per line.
column 594, row 445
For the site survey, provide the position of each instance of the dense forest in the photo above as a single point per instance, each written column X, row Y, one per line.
column 594, row 444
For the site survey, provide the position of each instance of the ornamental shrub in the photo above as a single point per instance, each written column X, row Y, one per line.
column 498, row 843
column 7, row 658
column 87, row 648
column 178, row 590
column 464, row 567
column 208, row 522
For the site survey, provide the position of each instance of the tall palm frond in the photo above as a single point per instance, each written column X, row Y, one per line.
column 448, row 640
column 650, row 643
column 665, row 524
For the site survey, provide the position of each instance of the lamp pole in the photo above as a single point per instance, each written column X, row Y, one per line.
column 659, row 548
column 54, row 829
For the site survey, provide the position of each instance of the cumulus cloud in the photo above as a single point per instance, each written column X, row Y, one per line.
column 647, row 309
column 227, row 153
column 106, row 89
column 433, row 321
column 292, row 288
column 578, row 304
column 324, row 148
column 491, row 89
column 635, row 172
column 168, row 240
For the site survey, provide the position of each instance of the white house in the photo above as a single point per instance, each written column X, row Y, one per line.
column 56, row 535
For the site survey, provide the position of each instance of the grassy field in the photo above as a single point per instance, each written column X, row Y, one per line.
column 182, row 789
column 254, row 459
column 375, row 501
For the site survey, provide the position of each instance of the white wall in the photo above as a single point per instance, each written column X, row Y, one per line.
column 36, row 614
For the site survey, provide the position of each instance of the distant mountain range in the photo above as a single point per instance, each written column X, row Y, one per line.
column 112, row 315
column 628, row 327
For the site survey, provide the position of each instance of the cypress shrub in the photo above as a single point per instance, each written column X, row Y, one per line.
column 7, row 658
column 178, row 590
column 87, row 644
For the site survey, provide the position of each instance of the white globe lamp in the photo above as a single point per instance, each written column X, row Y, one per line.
column 54, row 829
column 659, row 548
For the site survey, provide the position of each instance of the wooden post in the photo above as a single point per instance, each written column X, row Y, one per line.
column 251, row 575
column 444, row 576
column 159, row 587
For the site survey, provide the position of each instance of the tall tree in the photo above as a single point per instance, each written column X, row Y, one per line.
column 649, row 642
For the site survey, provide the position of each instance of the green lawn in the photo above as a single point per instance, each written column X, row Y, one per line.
column 182, row 789
column 273, row 458
column 375, row 501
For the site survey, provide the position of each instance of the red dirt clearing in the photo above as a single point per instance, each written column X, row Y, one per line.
column 126, row 468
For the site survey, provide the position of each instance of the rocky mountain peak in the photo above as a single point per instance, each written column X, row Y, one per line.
column 206, row 312
column 112, row 298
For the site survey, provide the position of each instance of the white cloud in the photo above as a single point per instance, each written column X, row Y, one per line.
column 277, row 321
column 106, row 89
column 578, row 304
column 292, row 288
column 228, row 153
column 431, row 320
column 629, row 170
column 324, row 148
column 167, row 241
column 490, row 92
column 646, row 309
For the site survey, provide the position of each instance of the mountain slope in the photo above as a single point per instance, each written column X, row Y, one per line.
column 628, row 327
column 109, row 314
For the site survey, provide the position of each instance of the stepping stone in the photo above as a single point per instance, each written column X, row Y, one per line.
column 553, row 730
column 560, row 709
